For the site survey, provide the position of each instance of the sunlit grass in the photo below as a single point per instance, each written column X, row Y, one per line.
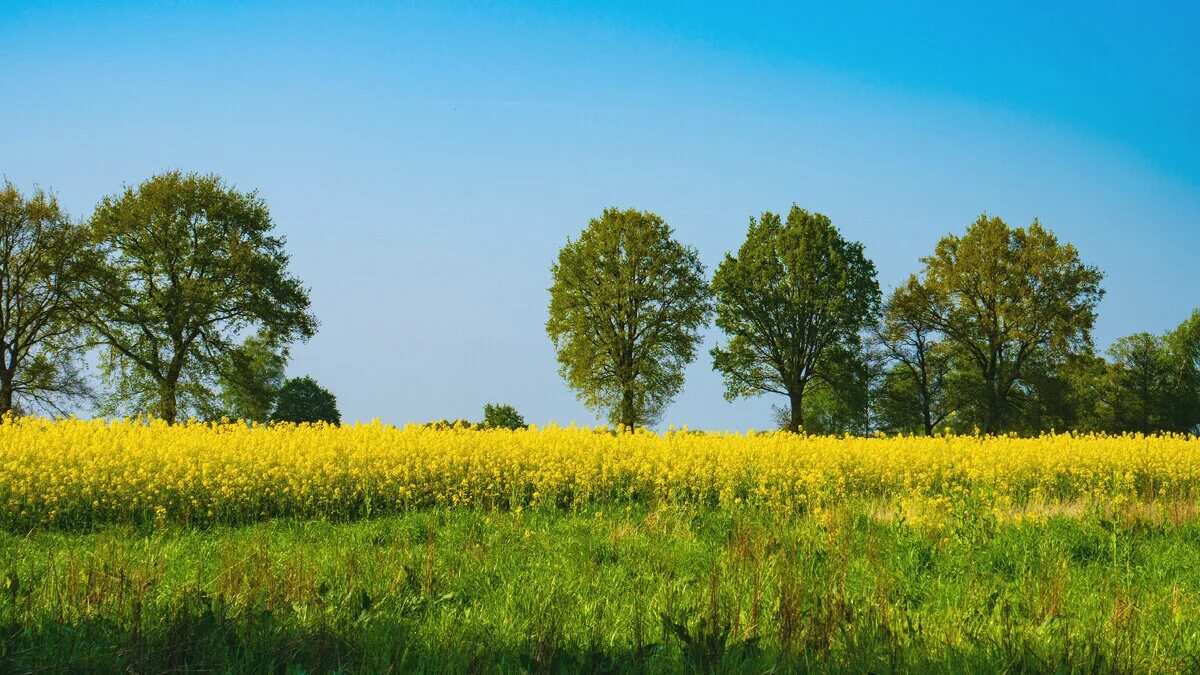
column 629, row 588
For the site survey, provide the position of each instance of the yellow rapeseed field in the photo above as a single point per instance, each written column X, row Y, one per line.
column 79, row 473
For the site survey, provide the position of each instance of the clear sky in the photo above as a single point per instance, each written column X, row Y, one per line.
column 427, row 161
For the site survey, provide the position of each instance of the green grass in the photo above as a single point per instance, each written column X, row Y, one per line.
column 626, row 589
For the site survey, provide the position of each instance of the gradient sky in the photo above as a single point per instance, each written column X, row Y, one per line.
column 427, row 161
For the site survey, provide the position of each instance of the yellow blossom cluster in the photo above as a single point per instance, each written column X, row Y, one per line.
column 81, row 473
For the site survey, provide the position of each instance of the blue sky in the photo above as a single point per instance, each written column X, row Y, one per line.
column 426, row 161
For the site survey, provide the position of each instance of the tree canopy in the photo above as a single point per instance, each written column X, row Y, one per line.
column 301, row 399
column 627, row 304
column 502, row 416
column 794, row 292
column 184, row 265
column 1009, row 300
column 250, row 377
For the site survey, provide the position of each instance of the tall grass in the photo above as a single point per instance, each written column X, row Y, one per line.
column 627, row 588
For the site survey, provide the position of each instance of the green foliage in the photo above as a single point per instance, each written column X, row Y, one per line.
column 897, row 403
column 1183, row 344
column 184, row 264
column 41, row 275
column 1009, row 300
column 301, row 399
column 1089, row 394
column 626, row 307
column 839, row 399
column 133, row 390
column 502, row 416
column 250, row 379
column 794, row 292
column 446, row 423
column 1144, row 380
column 1152, row 382
column 663, row 590
column 1061, row 394
column 914, row 392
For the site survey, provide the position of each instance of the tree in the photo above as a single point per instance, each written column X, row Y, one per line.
column 897, row 404
column 1183, row 345
column 627, row 304
column 301, row 399
column 921, row 365
column 500, row 416
column 1153, row 382
column 41, row 275
column 250, row 379
column 794, row 292
column 1145, row 382
column 1008, row 298
column 185, row 264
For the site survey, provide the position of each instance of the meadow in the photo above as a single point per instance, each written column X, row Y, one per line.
column 142, row 547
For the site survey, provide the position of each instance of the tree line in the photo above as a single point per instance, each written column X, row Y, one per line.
column 993, row 333
column 177, row 293
column 178, row 289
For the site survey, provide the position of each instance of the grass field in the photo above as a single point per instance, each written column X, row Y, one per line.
column 571, row 551
column 630, row 589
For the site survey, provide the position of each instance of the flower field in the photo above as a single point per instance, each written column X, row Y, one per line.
column 145, row 547
column 84, row 473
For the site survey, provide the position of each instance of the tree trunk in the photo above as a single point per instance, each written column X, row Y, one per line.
column 991, row 422
column 926, row 400
column 6, row 396
column 167, row 404
column 627, row 416
column 796, row 419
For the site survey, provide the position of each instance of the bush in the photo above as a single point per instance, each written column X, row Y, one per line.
column 450, row 424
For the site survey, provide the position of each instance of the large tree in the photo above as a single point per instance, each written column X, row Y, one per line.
column 794, row 292
column 1009, row 298
column 626, row 307
column 41, row 272
column 186, row 266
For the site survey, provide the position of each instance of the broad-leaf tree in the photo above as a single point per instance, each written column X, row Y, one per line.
column 41, row 272
column 502, row 416
column 794, row 292
column 626, row 307
column 186, row 266
column 1009, row 298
